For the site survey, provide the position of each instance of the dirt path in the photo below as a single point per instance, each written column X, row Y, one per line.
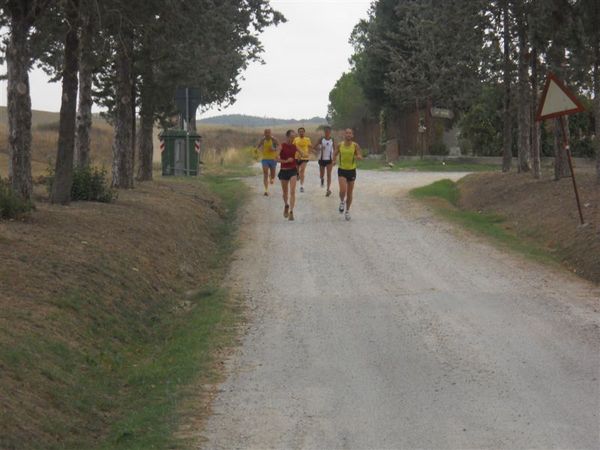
column 397, row 330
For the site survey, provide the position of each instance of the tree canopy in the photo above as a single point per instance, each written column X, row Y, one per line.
column 460, row 54
column 131, row 57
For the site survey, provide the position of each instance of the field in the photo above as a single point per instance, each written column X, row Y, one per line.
column 45, row 137
column 216, row 139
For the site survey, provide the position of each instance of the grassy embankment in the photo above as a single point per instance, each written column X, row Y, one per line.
column 535, row 218
column 112, row 314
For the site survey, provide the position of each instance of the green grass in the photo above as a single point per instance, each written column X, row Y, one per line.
column 157, row 386
column 446, row 189
column 492, row 226
column 426, row 166
column 168, row 368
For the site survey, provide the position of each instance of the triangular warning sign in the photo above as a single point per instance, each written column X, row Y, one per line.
column 557, row 100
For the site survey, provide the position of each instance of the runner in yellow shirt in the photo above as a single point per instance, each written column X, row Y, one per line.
column 304, row 147
column 268, row 147
column 346, row 154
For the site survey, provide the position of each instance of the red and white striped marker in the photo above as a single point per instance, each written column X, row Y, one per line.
column 197, row 145
column 162, row 145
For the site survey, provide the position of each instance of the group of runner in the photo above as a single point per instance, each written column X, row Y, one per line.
column 293, row 157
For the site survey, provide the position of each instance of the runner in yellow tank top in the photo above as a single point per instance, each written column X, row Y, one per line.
column 346, row 154
column 305, row 147
column 268, row 147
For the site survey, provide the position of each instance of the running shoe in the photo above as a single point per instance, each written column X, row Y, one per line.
column 266, row 194
column 286, row 211
column 291, row 215
column 322, row 182
column 328, row 193
column 301, row 188
column 342, row 207
column 347, row 215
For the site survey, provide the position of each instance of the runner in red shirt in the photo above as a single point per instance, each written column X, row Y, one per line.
column 288, row 173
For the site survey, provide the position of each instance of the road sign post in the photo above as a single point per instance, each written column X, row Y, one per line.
column 558, row 101
column 570, row 159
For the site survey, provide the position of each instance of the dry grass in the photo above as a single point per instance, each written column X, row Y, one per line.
column 45, row 141
column 86, row 288
column 229, row 156
column 543, row 212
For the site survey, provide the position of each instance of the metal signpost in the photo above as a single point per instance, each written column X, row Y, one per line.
column 558, row 101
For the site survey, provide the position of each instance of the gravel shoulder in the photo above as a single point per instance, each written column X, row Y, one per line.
column 397, row 330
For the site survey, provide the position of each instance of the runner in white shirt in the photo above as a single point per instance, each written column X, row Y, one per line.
column 325, row 147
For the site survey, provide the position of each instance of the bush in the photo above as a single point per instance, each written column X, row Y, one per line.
column 583, row 148
column 438, row 148
column 11, row 205
column 89, row 184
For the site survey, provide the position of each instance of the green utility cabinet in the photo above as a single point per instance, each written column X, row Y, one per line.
column 180, row 153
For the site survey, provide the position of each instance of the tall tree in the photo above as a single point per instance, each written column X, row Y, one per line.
column 20, row 16
column 347, row 104
column 536, row 23
column 210, row 59
column 535, row 127
column 588, row 12
column 597, row 110
column 524, row 107
column 87, row 62
column 507, row 75
column 123, row 158
column 63, row 178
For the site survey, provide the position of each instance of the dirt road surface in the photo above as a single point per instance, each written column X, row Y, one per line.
column 396, row 330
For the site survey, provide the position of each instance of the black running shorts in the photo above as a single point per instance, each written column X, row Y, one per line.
column 286, row 174
column 349, row 175
column 324, row 162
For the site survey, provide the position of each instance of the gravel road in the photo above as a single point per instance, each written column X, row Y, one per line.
column 397, row 330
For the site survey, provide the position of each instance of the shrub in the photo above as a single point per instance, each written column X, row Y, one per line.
column 583, row 148
column 12, row 205
column 89, row 184
column 438, row 148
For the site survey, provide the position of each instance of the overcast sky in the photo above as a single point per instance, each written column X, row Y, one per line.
column 304, row 57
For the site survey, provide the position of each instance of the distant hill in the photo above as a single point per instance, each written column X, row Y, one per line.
column 241, row 120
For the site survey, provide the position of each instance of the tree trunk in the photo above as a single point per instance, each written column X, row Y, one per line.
column 146, row 143
column 19, row 108
column 535, row 129
column 146, row 146
column 524, row 98
column 134, row 117
column 84, row 111
column 561, row 164
column 507, row 131
column 597, row 109
column 63, row 175
column 428, row 135
column 122, row 167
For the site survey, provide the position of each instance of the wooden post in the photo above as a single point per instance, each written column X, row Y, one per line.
column 568, row 151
